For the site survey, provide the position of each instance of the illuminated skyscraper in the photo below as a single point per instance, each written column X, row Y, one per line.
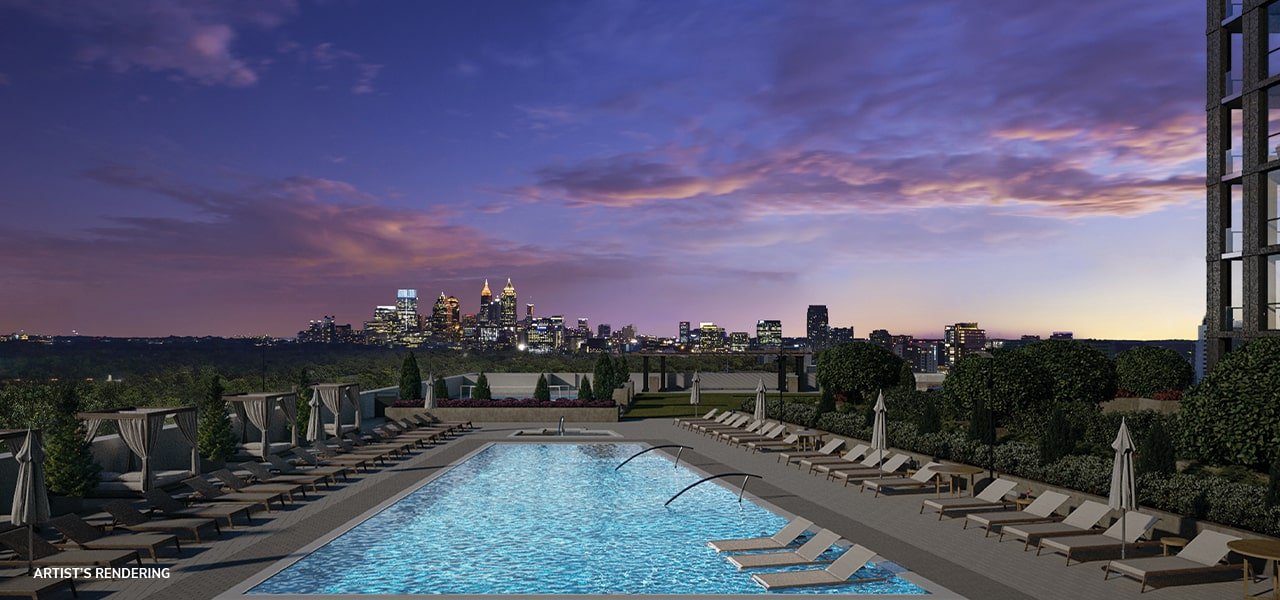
column 684, row 333
column 486, row 298
column 816, row 325
column 508, row 303
column 961, row 339
column 739, row 341
column 710, row 337
column 769, row 333
column 407, row 310
column 440, row 317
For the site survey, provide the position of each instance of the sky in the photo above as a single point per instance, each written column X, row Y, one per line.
column 241, row 167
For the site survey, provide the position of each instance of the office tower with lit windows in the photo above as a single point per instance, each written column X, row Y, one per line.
column 604, row 330
column 407, row 310
column 584, row 328
column 508, row 303
column 739, row 341
column 1243, row 174
column 486, row 298
column 384, row 326
column 962, row 339
column 769, row 333
column 710, row 337
column 683, row 337
column 816, row 325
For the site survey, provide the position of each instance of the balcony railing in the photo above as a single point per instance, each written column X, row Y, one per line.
column 1233, row 318
column 1232, row 84
column 1273, row 315
column 1232, row 161
column 1232, row 8
column 1232, row 241
column 1273, row 232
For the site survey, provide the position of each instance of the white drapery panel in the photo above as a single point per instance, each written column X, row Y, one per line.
column 289, row 404
column 353, row 394
column 91, row 429
column 186, row 421
column 238, row 408
column 140, row 436
column 259, row 411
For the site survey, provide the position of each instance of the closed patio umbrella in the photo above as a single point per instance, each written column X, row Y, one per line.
column 695, row 395
column 30, row 502
column 761, row 409
column 1124, row 492
column 879, row 431
column 430, row 402
column 315, row 426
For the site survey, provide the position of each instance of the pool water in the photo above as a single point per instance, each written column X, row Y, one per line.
column 554, row 518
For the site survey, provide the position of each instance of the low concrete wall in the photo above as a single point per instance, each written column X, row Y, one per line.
column 607, row 414
column 1167, row 407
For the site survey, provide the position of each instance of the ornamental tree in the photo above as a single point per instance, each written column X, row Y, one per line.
column 542, row 391
column 1078, row 372
column 584, row 389
column 215, row 439
column 1148, row 370
column 859, row 370
column 481, row 390
column 410, row 379
column 1230, row 417
column 69, row 468
column 605, row 378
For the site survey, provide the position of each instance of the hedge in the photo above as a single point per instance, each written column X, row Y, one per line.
column 1148, row 370
column 1230, row 417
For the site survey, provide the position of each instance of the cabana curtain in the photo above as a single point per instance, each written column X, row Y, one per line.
column 140, row 436
column 91, row 429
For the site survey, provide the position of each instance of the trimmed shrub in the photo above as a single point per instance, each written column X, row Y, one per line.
column 441, row 388
column 584, row 389
column 1078, row 372
column 605, row 381
column 1056, row 442
column 1155, row 451
column 826, row 404
column 542, row 391
column 1147, row 370
column 982, row 427
column 1010, row 383
column 1230, row 417
column 410, row 379
column 215, row 439
column 69, row 469
column 481, row 389
column 929, row 419
column 860, row 371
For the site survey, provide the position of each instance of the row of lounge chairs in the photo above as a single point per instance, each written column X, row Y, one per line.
column 1077, row 535
column 230, row 497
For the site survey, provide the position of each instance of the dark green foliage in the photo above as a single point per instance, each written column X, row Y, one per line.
column 481, row 390
column 982, row 424
column 1056, row 441
column 906, row 378
column 216, row 440
column 303, row 385
column 929, row 419
column 860, row 371
column 621, row 371
column 584, row 389
column 1078, row 373
column 410, row 379
column 542, row 391
column 604, row 376
column 1155, row 452
column 826, row 404
column 1273, row 486
column 1146, row 370
column 441, row 388
column 1010, row 383
column 1230, row 417
column 69, row 469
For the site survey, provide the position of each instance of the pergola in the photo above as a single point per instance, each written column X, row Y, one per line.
column 140, row 429
column 258, row 409
column 797, row 356
column 333, row 396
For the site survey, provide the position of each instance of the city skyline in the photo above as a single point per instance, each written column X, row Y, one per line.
column 645, row 163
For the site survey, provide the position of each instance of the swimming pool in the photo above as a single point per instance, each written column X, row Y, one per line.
column 550, row 518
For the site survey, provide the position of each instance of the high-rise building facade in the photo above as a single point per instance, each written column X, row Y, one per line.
column 508, row 303
column 486, row 298
column 407, row 310
column 739, row 341
column 769, row 333
column 1243, row 168
column 710, row 337
column 962, row 339
column 816, row 325
column 683, row 337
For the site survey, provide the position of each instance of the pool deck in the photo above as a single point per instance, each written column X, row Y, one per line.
column 962, row 561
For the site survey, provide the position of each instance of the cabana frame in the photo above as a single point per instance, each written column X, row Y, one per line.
column 258, row 410
column 333, row 396
column 140, row 429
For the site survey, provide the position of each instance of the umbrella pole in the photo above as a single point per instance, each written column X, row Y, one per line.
column 1124, row 533
column 31, row 546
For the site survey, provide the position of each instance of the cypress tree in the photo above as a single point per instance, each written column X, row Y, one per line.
column 481, row 390
column 1156, row 453
column 69, row 469
column 982, row 424
column 584, row 389
column 442, row 388
column 929, row 420
column 542, row 391
column 605, row 381
column 826, row 404
column 216, row 440
column 410, row 379
column 303, row 385
column 1055, row 442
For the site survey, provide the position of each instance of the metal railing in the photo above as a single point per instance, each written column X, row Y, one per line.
column 1232, row 8
column 1232, row 318
column 745, row 477
column 1232, row 241
column 650, row 449
column 1231, row 85
column 1232, row 161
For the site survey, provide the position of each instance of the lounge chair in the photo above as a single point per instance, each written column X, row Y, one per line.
column 1081, row 521
column 723, row 417
column 44, row 554
column 1201, row 556
column 430, row 420
column 88, row 537
column 727, row 432
column 828, row 449
column 735, row 423
column 171, row 507
column 839, row 572
column 1040, row 510
column 353, row 462
column 785, row 537
column 128, row 517
column 211, row 493
column 806, row 554
column 991, row 498
column 287, row 468
column 859, row 456
column 925, row 477
column 376, row 441
column 341, row 447
column 785, row 443
column 263, row 474
column 423, row 436
column 680, row 421
column 1135, row 526
column 34, row 588
column 891, row 465
column 771, row 432
column 236, row 484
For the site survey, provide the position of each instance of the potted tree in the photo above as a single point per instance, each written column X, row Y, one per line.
column 69, row 469
column 215, row 439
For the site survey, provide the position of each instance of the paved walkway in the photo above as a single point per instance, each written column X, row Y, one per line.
column 961, row 560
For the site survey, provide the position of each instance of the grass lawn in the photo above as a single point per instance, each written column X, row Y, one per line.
column 649, row 406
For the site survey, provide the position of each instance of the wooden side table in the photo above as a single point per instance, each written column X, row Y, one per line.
column 1171, row 542
column 1268, row 550
column 1023, row 503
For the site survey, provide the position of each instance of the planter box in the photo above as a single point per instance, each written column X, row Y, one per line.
column 606, row 414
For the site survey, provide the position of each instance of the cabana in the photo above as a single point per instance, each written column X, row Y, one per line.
column 258, row 410
column 140, row 429
column 333, row 396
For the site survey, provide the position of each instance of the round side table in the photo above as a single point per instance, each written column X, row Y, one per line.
column 1171, row 542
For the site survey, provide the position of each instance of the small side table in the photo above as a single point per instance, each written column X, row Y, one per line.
column 1171, row 542
column 1023, row 503
column 1267, row 550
